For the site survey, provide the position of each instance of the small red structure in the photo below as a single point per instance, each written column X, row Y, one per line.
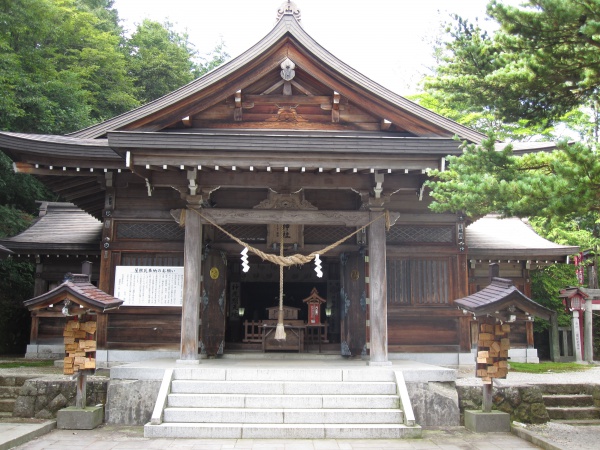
column 314, row 301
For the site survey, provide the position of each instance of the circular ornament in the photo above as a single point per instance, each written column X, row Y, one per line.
column 214, row 273
column 354, row 275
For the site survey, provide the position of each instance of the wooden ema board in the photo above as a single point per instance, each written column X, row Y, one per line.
column 80, row 346
column 492, row 351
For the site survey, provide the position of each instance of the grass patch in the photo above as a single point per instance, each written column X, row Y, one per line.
column 26, row 363
column 548, row 367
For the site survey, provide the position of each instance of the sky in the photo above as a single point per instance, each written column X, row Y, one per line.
column 389, row 41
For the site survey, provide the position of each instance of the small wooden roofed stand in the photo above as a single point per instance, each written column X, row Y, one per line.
column 76, row 296
column 283, row 134
column 494, row 307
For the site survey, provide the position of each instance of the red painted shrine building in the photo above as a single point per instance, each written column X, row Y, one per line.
column 283, row 144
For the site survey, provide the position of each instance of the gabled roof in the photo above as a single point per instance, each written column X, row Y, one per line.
column 61, row 227
column 286, row 40
column 492, row 236
column 501, row 299
column 79, row 290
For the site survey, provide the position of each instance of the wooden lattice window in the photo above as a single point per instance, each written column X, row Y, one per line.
column 418, row 281
column 245, row 232
column 157, row 231
column 406, row 234
column 326, row 234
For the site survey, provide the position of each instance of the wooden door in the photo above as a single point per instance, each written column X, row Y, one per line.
column 213, row 307
column 353, row 304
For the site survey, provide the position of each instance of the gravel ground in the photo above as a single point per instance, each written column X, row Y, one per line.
column 467, row 378
column 567, row 436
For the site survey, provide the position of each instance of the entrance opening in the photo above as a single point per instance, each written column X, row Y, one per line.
column 257, row 297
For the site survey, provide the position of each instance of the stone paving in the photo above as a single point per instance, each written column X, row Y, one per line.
column 122, row 438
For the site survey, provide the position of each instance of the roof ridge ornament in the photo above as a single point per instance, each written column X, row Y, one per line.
column 288, row 7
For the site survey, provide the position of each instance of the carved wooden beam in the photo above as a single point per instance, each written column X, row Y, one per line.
column 295, row 99
column 280, row 216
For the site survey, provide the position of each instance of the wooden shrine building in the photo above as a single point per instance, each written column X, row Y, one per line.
column 285, row 143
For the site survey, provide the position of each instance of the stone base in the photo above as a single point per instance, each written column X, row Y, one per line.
column 487, row 422
column 73, row 418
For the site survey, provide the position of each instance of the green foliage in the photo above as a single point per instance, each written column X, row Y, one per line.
column 19, row 190
column 546, row 284
column 555, row 59
column 160, row 60
column 564, row 184
column 61, row 69
column 544, row 61
column 548, row 367
column 14, row 364
column 16, row 281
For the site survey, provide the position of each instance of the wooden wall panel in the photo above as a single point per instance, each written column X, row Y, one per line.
column 50, row 330
column 426, row 329
column 157, row 328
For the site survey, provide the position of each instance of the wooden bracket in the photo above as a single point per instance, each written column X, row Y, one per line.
column 335, row 110
column 237, row 112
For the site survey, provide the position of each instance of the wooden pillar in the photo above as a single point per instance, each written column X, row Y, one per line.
column 192, row 276
column 378, row 292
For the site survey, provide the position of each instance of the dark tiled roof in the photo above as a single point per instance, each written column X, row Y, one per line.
column 493, row 236
column 495, row 300
column 61, row 226
column 94, row 150
column 79, row 290
column 314, row 143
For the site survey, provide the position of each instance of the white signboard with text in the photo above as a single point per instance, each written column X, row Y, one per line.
column 149, row 285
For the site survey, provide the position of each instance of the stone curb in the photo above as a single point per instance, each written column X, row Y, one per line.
column 22, row 438
column 534, row 439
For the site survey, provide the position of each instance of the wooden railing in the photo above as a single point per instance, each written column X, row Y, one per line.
column 253, row 332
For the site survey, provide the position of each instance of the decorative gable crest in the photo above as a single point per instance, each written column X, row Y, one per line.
column 288, row 7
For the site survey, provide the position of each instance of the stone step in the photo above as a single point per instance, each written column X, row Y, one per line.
column 7, row 405
column 280, row 431
column 275, row 416
column 283, row 387
column 9, row 391
column 564, row 389
column 284, row 374
column 282, row 401
column 568, row 400
column 573, row 413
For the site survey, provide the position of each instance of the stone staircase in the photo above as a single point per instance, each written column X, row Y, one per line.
column 9, row 391
column 254, row 403
column 572, row 404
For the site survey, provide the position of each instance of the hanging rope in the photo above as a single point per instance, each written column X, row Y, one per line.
column 280, row 330
column 292, row 260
